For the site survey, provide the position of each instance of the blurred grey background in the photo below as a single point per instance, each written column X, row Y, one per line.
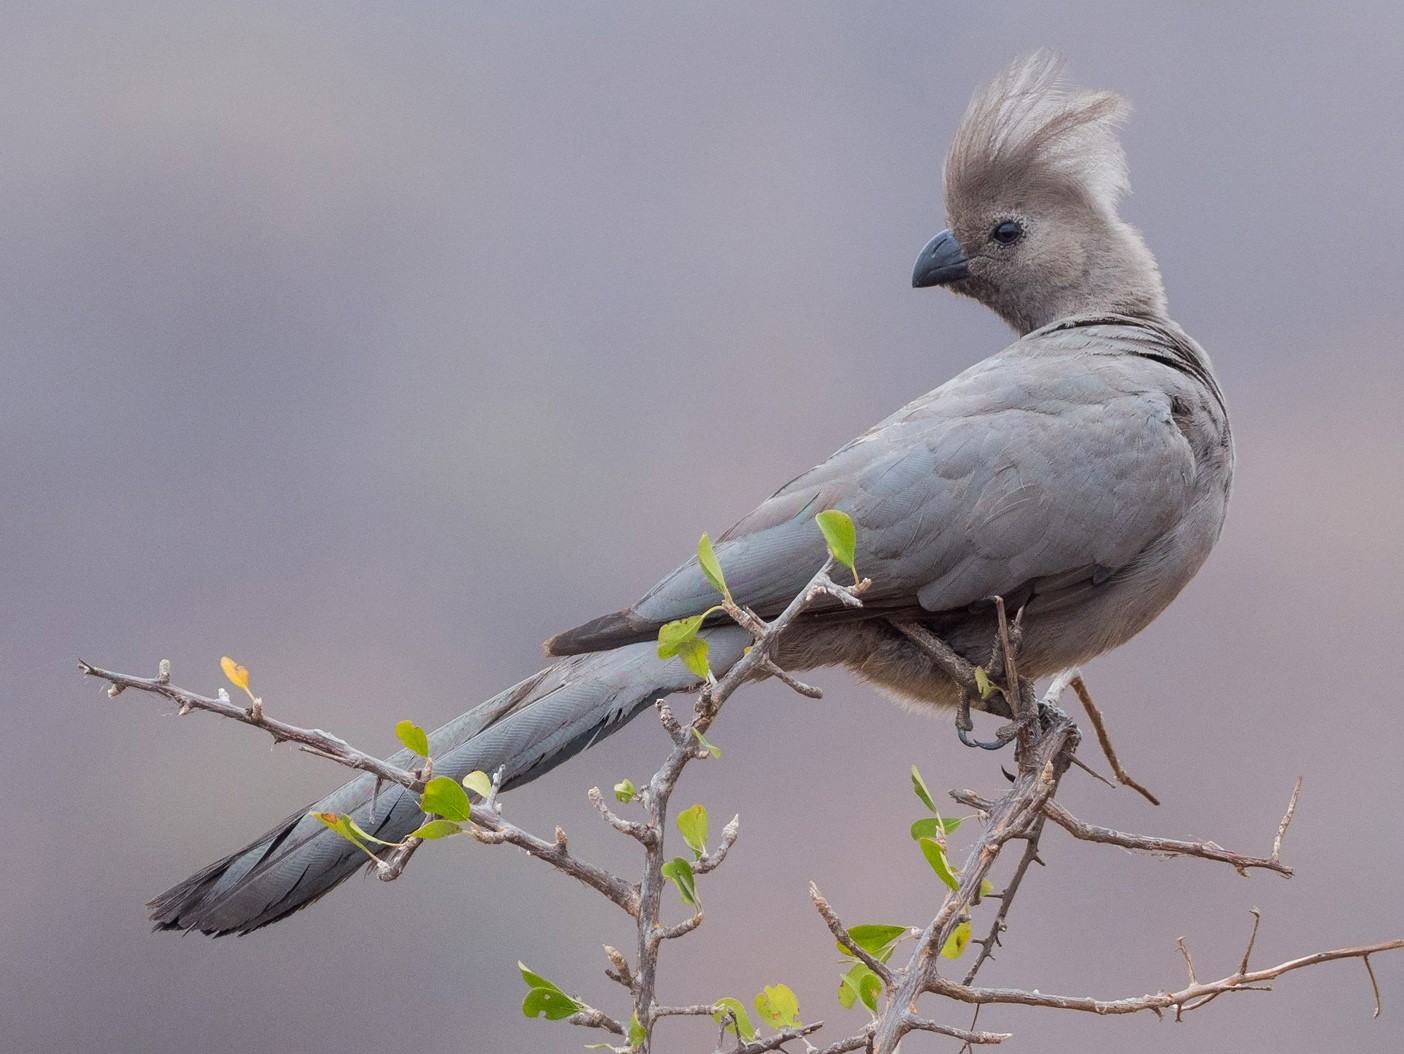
column 371, row 344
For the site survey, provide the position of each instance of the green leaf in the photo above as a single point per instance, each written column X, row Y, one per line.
column 412, row 736
column 839, row 532
column 624, row 792
column 544, row 997
column 859, row 984
column 706, row 744
column 957, row 941
column 919, row 785
column 679, row 872
column 778, row 1007
column 741, row 1024
column 983, row 684
column 436, row 829
column 930, row 825
column 365, row 835
column 711, row 566
column 444, row 797
column 674, row 635
column 693, row 654
column 936, row 857
column 637, row 1035
column 479, row 782
column 693, row 825
column 874, row 939
column 342, row 825
column 869, row 988
column 535, row 980
column 551, row 1003
column 848, row 986
column 986, row 887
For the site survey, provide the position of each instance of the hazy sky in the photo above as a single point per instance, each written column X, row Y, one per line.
column 373, row 343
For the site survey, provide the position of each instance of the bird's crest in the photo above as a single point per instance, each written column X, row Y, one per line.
column 1028, row 126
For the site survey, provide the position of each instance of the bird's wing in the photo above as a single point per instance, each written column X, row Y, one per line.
column 1056, row 460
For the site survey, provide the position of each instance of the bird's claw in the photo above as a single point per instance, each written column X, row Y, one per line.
column 996, row 745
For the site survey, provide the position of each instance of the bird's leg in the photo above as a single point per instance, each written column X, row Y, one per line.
column 1021, row 705
column 961, row 672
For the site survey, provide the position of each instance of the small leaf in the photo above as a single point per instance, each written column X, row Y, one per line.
column 342, row 825
column 986, row 887
column 236, row 674
column 778, row 1007
column 919, row 785
column 839, row 532
column 535, row 980
column 869, row 988
column 874, row 938
column 551, row 1003
column 848, row 986
column 624, row 792
column 412, row 736
column 479, row 782
column 673, row 635
column 444, row 797
column 436, row 829
column 357, row 830
column 936, row 857
column 710, row 747
column 693, row 825
column 983, row 684
column 637, row 1035
column 931, row 825
column 711, row 566
column 679, row 872
column 957, row 941
column 859, row 984
column 693, row 654
column 742, row 1023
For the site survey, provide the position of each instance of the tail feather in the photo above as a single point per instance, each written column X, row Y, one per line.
column 524, row 732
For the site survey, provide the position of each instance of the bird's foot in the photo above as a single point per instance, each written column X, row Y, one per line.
column 1004, row 735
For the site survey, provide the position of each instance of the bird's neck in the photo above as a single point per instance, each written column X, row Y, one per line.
column 1121, row 278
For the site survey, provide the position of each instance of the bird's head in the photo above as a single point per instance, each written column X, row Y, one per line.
column 1033, row 179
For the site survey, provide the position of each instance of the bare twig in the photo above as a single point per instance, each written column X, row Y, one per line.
column 1189, row 998
column 1286, row 820
column 393, row 866
column 1168, row 846
column 314, row 740
column 777, row 1041
column 1094, row 715
column 918, row 1024
column 1006, row 901
column 851, row 946
column 592, row 1018
column 712, row 860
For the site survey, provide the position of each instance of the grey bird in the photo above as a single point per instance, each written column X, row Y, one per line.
column 1082, row 474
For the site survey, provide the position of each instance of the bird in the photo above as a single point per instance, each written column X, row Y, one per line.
column 1082, row 474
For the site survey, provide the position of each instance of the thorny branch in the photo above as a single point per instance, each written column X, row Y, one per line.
column 1047, row 743
column 641, row 901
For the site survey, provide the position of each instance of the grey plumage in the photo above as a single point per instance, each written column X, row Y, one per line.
column 1082, row 473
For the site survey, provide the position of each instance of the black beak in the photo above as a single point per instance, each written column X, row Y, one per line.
column 941, row 261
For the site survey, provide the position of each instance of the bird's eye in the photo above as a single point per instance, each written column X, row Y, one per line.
column 1008, row 232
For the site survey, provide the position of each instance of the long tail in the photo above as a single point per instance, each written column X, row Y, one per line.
column 526, row 731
